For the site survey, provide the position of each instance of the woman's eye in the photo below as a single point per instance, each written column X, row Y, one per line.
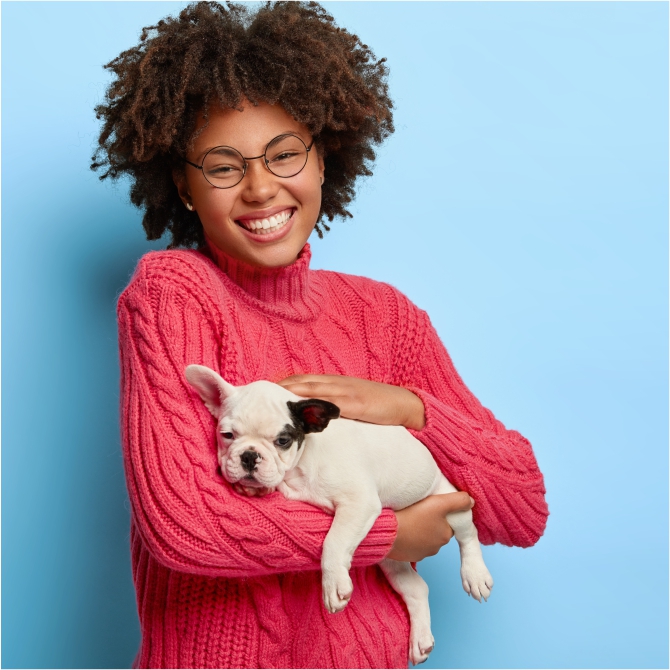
column 227, row 436
column 222, row 170
column 284, row 156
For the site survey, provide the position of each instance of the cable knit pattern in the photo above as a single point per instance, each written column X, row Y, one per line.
column 228, row 581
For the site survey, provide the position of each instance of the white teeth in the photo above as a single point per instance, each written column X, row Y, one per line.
column 271, row 224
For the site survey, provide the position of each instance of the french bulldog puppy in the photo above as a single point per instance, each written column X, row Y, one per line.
column 269, row 438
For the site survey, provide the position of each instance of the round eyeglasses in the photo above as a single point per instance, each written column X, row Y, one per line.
column 225, row 167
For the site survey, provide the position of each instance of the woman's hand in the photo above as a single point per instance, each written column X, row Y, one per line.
column 422, row 527
column 361, row 399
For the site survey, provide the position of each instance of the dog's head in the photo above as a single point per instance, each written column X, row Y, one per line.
column 261, row 427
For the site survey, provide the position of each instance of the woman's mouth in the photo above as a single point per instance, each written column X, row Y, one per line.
column 269, row 225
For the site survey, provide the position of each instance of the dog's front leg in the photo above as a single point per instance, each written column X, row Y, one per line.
column 352, row 522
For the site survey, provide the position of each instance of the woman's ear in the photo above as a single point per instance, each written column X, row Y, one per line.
column 179, row 179
column 322, row 168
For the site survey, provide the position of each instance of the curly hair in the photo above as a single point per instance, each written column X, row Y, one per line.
column 286, row 53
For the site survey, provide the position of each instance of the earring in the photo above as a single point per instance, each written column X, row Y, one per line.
column 322, row 180
column 189, row 206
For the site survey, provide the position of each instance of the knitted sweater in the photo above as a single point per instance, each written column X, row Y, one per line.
column 228, row 581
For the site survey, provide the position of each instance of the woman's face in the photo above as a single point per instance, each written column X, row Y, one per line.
column 228, row 214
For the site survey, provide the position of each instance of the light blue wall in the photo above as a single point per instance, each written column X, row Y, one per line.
column 523, row 202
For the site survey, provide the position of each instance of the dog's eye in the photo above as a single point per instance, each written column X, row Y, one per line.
column 227, row 436
column 283, row 442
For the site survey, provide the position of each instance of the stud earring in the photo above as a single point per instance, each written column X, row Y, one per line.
column 322, row 180
column 189, row 206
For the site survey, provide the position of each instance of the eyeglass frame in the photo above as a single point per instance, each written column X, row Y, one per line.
column 252, row 158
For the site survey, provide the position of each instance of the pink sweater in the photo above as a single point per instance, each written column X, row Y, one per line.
column 228, row 581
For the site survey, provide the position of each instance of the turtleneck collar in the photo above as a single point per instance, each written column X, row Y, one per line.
column 286, row 291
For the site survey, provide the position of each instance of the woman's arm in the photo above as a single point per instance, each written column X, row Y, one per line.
column 188, row 516
column 475, row 451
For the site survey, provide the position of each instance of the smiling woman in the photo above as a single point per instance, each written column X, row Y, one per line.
column 241, row 131
column 522, row 202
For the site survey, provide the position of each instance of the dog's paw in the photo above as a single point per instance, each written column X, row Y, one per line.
column 421, row 644
column 477, row 580
column 337, row 590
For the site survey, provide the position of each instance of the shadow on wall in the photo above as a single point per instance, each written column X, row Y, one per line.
column 102, row 275
column 67, row 553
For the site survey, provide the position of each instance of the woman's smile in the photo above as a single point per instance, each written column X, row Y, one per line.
column 267, row 224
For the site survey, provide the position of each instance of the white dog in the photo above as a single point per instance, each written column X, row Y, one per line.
column 269, row 438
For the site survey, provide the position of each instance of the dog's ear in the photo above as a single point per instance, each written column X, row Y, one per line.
column 313, row 415
column 211, row 387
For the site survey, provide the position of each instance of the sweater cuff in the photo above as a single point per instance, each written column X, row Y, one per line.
column 498, row 470
column 379, row 541
column 436, row 427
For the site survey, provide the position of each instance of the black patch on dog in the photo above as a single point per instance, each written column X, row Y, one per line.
column 289, row 435
column 312, row 415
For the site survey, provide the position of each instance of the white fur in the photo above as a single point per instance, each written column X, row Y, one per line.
column 353, row 469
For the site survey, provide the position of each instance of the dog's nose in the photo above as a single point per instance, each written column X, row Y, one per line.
column 249, row 459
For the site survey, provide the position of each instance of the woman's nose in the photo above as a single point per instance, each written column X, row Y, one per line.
column 260, row 185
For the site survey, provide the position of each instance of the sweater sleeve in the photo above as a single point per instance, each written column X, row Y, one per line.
column 473, row 449
column 188, row 516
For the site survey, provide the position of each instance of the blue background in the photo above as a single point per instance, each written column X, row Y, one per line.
column 523, row 202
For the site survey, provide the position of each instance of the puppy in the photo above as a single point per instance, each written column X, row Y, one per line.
column 269, row 438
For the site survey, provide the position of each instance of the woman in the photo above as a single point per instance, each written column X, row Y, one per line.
column 240, row 133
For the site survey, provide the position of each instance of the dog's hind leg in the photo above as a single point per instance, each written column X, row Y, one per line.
column 414, row 591
column 476, row 578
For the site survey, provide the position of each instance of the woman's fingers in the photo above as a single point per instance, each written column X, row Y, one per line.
column 423, row 529
column 311, row 381
column 361, row 399
column 453, row 502
column 326, row 391
column 352, row 400
column 311, row 388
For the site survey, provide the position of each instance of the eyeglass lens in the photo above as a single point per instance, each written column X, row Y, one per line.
column 285, row 156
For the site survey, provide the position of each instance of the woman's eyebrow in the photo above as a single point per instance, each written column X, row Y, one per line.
column 297, row 133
